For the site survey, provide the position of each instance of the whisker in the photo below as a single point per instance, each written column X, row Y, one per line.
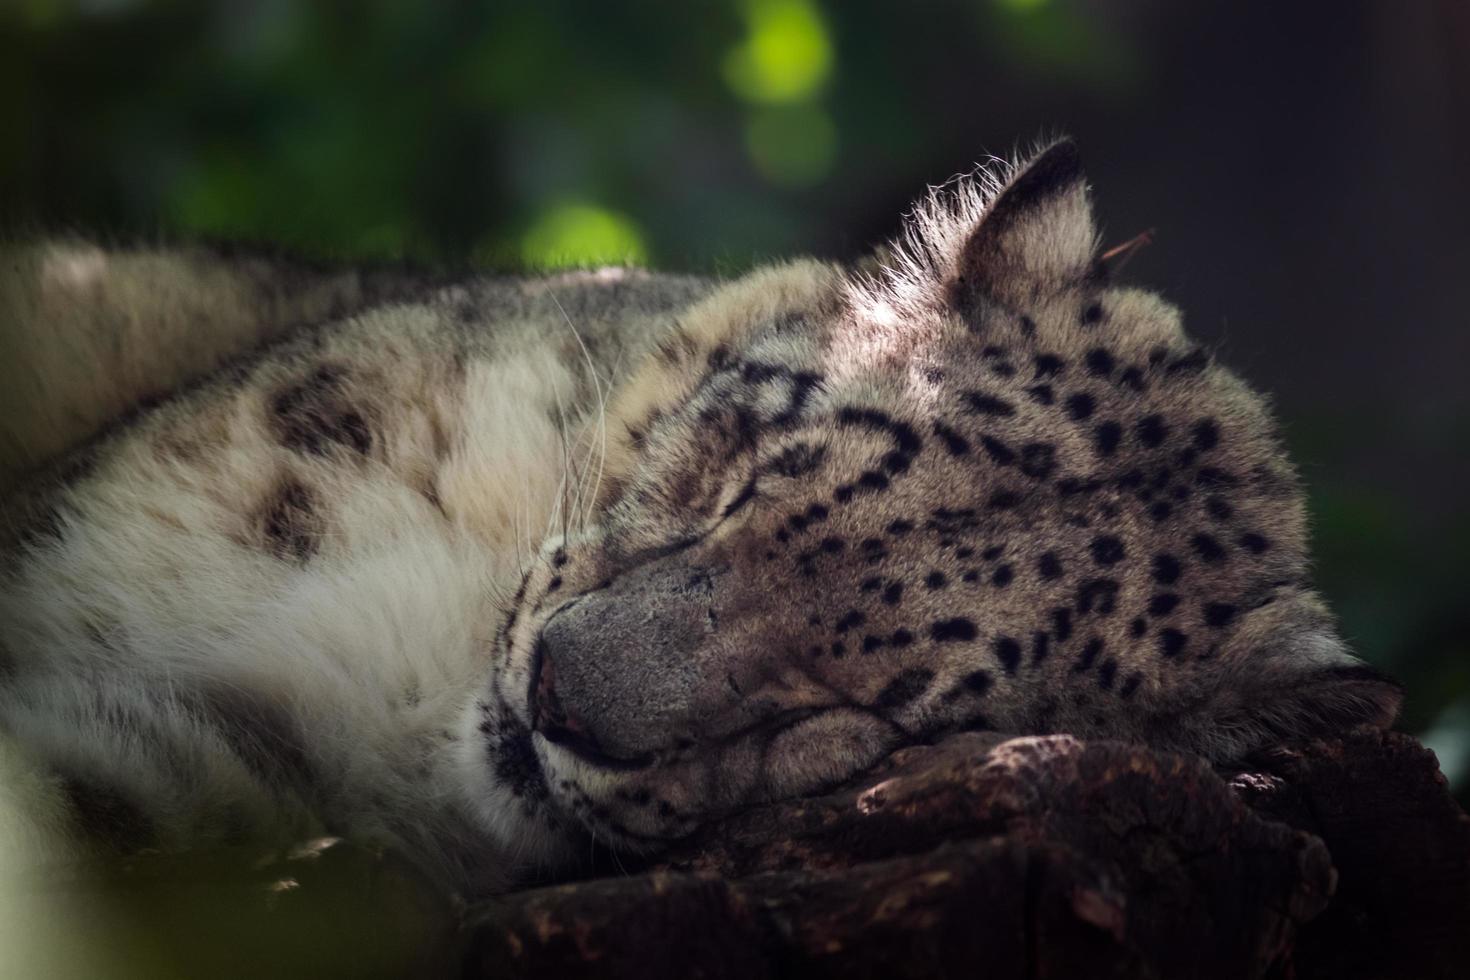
column 601, row 392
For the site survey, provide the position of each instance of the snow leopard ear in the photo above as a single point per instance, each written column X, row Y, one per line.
column 1035, row 235
column 1322, row 701
column 1283, row 674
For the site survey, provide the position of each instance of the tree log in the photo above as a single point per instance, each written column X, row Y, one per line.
column 1038, row 857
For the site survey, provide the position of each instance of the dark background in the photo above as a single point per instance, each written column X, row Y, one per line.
column 1303, row 165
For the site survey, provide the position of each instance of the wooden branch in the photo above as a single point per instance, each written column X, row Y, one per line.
column 1038, row 857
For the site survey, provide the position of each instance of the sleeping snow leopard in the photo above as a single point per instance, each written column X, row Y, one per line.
column 485, row 568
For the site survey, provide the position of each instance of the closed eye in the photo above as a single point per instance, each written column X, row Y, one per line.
column 791, row 463
column 746, row 495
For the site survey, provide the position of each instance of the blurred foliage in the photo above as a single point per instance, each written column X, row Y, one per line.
column 323, row 909
column 706, row 135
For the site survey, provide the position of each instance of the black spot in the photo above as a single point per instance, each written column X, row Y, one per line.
column 1041, row 394
column 998, row 451
column 1008, row 651
column 1003, row 576
column 1192, row 362
column 1219, row 614
column 1061, row 624
column 873, row 481
column 1099, row 362
column 896, row 462
column 1048, row 365
column 833, row 545
column 1132, row 378
column 1160, row 510
column 871, row 584
column 1152, row 431
column 977, row 682
column 1100, row 594
column 1038, row 460
column 1206, row 434
column 1040, row 646
column 952, row 630
column 1080, row 406
column 1130, row 686
column 1166, row 569
column 970, row 576
column 1106, row 436
column 871, row 643
column 516, row 764
column 1071, row 486
column 852, row 618
column 289, row 522
column 1106, row 673
column 893, row 593
column 838, row 649
column 903, row 434
column 1172, row 642
column 936, row 580
column 957, row 444
column 901, row 638
column 1049, row 566
column 951, row 520
column 1107, row 550
column 1219, row 509
column 1003, row 500
column 1092, row 315
column 1253, row 542
column 312, row 416
column 843, row 493
column 1207, row 548
column 1089, row 655
column 1163, row 604
column 963, row 553
column 1138, row 627
column 900, row 527
column 993, row 552
column 1211, row 476
column 982, row 404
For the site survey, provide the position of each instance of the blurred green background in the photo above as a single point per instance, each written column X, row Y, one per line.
column 1303, row 165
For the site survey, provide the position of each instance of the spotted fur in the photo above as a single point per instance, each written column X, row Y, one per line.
column 508, row 564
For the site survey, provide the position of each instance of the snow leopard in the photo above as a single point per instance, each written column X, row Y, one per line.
column 487, row 569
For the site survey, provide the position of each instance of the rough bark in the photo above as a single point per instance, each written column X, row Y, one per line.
column 1034, row 858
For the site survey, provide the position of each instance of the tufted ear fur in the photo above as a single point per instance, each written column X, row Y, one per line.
column 1035, row 234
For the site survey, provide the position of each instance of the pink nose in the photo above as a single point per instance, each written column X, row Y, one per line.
column 548, row 715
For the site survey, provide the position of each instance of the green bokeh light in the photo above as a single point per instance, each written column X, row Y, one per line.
column 794, row 146
column 785, row 57
column 574, row 233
